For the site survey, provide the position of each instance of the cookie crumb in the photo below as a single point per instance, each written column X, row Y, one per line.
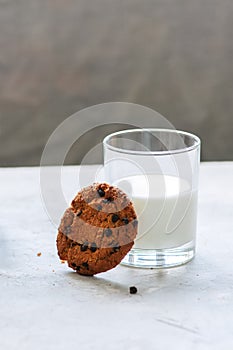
column 39, row 254
column 63, row 261
column 133, row 290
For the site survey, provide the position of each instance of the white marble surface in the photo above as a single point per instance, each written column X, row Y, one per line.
column 43, row 305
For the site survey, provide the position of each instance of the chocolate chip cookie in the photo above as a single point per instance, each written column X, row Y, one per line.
column 97, row 230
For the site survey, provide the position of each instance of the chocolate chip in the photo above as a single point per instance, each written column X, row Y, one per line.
column 133, row 290
column 78, row 268
column 108, row 200
column 101, row 192
column 84, row 247
column 116, row 249
column 85, row 264
column 73, row 264
column 79, row 212
column 125, row 221
column 115, row 218
column 93, row 247
column 108, row 232
column 67, row 230
column 99, row 207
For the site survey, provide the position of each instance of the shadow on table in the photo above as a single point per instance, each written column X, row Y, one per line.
column 99, row 282
column 147, row 281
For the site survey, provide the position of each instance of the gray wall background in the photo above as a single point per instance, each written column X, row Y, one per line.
column 57, row 57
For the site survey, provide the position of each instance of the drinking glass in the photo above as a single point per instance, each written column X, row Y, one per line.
column 158, row 169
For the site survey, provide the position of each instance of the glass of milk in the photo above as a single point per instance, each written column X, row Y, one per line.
column 158, row 169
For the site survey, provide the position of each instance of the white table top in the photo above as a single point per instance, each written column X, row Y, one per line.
column 44, row 305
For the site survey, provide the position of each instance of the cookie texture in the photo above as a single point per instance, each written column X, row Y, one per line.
column 97, row 230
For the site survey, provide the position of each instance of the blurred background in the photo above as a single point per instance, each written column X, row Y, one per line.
column 57, row 57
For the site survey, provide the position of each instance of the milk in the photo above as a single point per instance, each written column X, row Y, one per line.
column 166, row 208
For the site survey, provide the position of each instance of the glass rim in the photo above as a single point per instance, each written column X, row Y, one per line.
column 196, row 144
